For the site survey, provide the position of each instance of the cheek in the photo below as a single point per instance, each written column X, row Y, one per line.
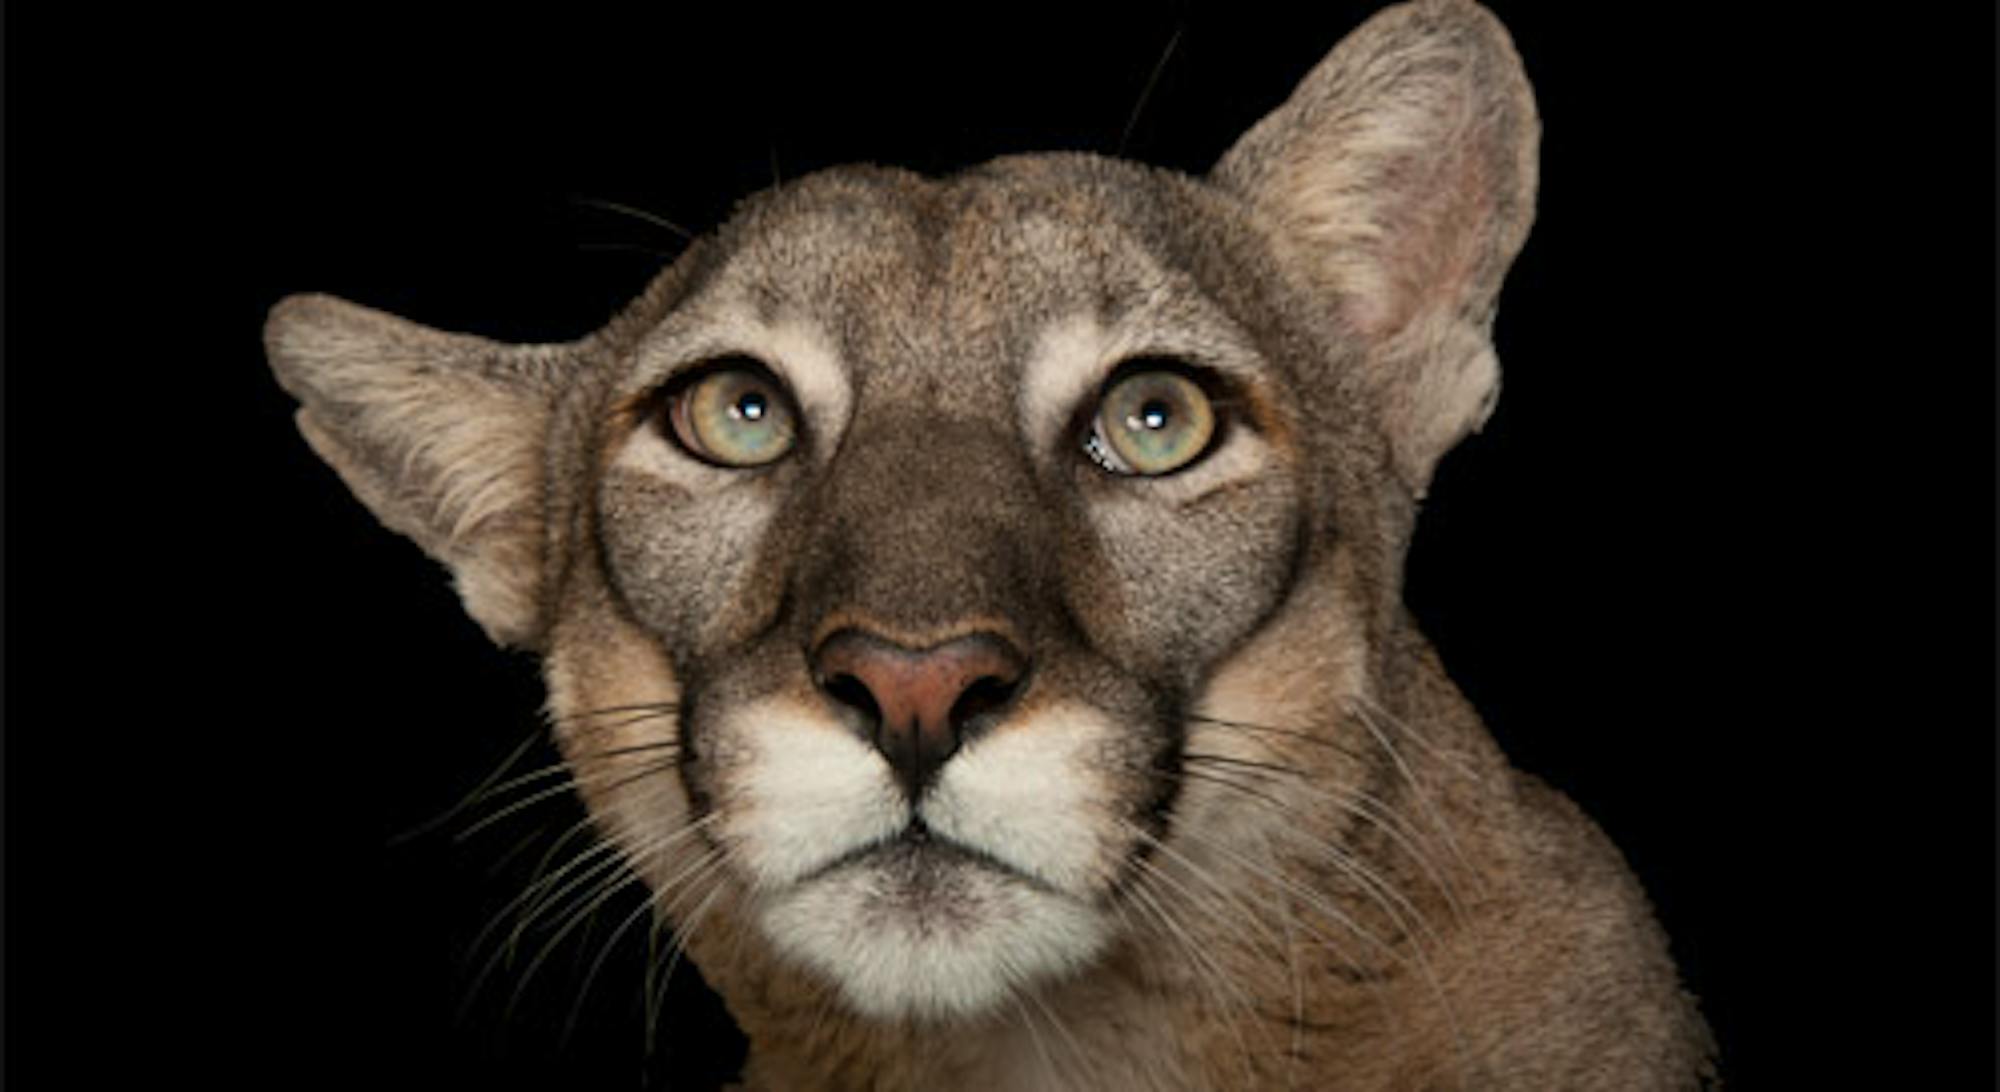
column 689, row 563
column 1190, row 580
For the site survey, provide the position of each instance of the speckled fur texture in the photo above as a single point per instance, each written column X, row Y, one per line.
column 1234, row 828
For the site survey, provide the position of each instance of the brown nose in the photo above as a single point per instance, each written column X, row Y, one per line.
column 918, row 704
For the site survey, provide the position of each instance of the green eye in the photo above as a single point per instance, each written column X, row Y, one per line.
column 1151, row 423
column 737, row 416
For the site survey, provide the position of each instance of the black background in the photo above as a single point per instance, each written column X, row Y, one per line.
column 1721, row 567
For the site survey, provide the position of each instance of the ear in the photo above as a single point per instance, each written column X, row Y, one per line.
column 442, row 436
column 1397, row 184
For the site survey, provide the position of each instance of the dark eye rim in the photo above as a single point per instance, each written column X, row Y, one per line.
column 663, row 404
column 1223, row 402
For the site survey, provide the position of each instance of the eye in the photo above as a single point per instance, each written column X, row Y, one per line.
column 1151, row 422
column 734, row 415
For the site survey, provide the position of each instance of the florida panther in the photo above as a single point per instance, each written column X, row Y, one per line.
column 972, row 606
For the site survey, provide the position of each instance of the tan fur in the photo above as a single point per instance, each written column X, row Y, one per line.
column 1235, row 829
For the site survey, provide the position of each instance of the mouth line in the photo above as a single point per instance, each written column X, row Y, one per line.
column 917, row 837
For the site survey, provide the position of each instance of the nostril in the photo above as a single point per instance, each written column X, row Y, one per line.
column 986, row 694
column 850, row 691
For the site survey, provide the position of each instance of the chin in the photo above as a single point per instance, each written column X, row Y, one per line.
column 923, row 929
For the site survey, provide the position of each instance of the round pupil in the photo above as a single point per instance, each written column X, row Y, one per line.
column 750, row 407
column 1154, row 415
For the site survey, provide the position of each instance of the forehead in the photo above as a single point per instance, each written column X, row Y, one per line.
column 958, row 278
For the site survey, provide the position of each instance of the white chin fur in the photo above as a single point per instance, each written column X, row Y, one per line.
column 950, row 944
column 920, row 930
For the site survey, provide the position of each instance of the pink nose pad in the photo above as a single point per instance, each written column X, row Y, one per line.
column 919, row 702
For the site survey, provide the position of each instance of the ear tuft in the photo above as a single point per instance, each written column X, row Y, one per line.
column 1398, row 183
column 441, row 435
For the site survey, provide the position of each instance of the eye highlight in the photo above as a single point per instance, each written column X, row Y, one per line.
column 1151, row 422
column 735, row 414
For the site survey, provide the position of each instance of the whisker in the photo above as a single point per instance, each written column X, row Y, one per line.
column 645, row 907
column 627, row 720
column 573, row 783
column 1431, row 747
column 584, row 912
column 607, row 865
column 1222, row 985
column 1418, row 959
column 1222, row 918
column 609, row 888
column 605, row 857
column 599, row 863
column 1366, row 806
column 1246, row 763
column 497, row 783
column 1292, row 1056
column 561, row 767
column 1384, row 894
column 610, row 710
column 585, row 825
column 1217, row 779
column 1146, row 93
column 1197, row 872
column 675, row 951
column 1288, row 733
column 1416, row 790
column 1041, row 1048
column 1212, row 977
column 653, row 218
column 1386, row 821
column 500, row 865
column 1314, row 899
column 1076, row 1050
column 478, row 792
column 594, row 758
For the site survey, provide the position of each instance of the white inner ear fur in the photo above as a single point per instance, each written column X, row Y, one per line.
column 1450, row 392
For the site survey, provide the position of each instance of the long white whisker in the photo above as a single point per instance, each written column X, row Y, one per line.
column 1363, row 804
column 1416, row 789
column 675, row 951
column 1076, row 1050
column 1450, row 758
column 1041, row 1048
column 644, row 908
column 653, row 218
column 608, row 889
column 479, row 792
column 1385, row 894
column 590, row 778
column 1225, row 993
column 608, row 855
